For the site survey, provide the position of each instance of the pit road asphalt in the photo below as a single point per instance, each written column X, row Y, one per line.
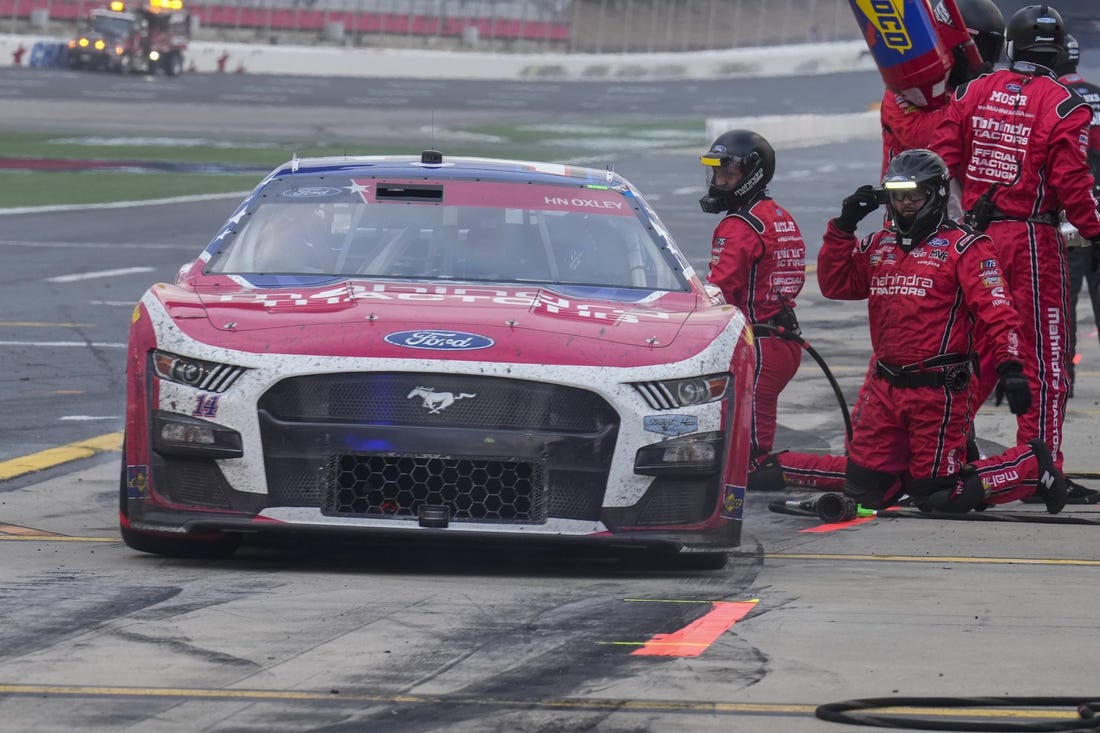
column 362, row 638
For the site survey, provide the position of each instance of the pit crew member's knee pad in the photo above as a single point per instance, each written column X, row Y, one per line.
column 868, row 487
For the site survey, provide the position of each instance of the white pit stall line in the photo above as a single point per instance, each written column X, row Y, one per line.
column 100, row 273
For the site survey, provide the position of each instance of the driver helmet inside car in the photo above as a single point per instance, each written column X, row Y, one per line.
column 291, row 240
column 488, row 249
column 589, row 248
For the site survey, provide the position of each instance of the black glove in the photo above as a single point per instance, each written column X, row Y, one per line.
column 1094, row 259
column 855, row 207
column 1013, row 386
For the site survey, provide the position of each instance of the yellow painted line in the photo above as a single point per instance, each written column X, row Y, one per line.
column 573, row 703
column 62, row 454
column 927, row 559
column 577, row 703
column 38, row 324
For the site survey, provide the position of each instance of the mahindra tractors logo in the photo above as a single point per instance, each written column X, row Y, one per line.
column 437, row 402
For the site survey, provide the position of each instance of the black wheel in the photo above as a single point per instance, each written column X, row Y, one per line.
column 223, row 545
column 220, row 545
column 173, row 64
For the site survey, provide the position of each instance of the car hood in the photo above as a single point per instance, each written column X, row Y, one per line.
column 460, row 321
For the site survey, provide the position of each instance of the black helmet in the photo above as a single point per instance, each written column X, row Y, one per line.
column 1070, row 59
column 921, row 171
column 986, row 25
column 742, row 151
column 1036, row 34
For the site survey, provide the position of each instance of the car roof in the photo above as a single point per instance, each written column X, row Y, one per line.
column 432, row 164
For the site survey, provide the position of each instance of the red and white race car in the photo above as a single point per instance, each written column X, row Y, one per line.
column 457, row 347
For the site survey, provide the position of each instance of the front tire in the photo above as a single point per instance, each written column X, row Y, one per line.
column 173, row 64
column 208, row 546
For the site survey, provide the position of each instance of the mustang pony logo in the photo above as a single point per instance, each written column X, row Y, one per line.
column 437, row 401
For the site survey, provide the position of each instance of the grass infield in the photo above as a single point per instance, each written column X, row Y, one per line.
column 55, row 169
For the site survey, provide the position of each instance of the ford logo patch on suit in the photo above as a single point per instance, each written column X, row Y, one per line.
column 439, row 340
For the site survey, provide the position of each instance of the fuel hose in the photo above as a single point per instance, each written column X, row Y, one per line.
column 791, row 336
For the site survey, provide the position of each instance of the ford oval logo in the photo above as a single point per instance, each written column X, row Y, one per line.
column 310, row 192
column 439, row 340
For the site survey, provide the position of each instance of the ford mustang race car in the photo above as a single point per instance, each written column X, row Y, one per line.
column 457, row 347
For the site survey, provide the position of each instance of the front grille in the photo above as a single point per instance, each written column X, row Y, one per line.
column 437, row 399
column 675, row 502
column 194, row 483
column 481, row 490
column 576, row 494
column 490, row 449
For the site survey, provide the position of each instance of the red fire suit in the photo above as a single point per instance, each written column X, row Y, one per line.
column 917, row 407
column 905, row 126
column 1020, row 137
column 1091, row 94
column 1080, row 258
column 758, row 261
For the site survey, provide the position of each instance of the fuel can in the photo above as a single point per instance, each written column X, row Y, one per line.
column 904, row 41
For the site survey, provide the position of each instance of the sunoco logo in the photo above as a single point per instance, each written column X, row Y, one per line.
column 888, row 17
column 439, row 340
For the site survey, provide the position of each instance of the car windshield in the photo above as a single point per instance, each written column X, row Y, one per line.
column 537, row 233
column 111, row 25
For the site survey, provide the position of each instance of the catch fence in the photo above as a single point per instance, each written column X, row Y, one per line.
column 576, row 26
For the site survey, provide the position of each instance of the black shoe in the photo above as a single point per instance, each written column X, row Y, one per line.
column 968, row 494
column 1051, row 483
column 767, row 476
column 1078, row 494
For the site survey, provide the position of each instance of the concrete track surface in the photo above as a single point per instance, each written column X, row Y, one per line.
column 365, row 637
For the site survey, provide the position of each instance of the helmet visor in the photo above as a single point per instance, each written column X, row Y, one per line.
column 720, row 160
column 722, row 171
column 901, row 192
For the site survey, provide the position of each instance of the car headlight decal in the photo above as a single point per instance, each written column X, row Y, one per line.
column 206, row 375
column 671, row 394
column 690, row 454
column 183, row 435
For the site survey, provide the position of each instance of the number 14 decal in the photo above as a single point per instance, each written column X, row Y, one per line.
column 206, row 406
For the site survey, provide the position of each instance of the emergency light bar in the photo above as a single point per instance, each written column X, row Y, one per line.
column 155, row 6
